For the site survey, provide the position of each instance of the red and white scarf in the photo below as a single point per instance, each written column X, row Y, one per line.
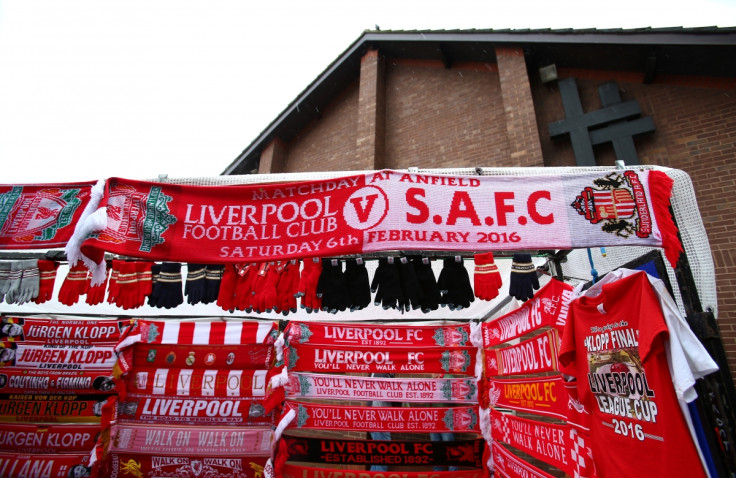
column 197, row 382
column 535, row 355
column 127, row 465
column 45, row 438
column 62, row 331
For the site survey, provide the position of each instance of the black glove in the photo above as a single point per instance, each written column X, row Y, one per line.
column 212, row 279
column 332, row 286
column 409, row 285
column 195, row 285
column 358, row 284
column 428, row 283
column 386, row 285
column 523, row 279
column 169, row 283
column 454, row 284
column 155, row 286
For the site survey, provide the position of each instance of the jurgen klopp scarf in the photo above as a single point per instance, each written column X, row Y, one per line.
column 62, row 331
column 377, row 211
column 45, row 438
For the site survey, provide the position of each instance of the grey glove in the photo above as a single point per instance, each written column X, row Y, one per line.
column 4, row 276
column 30, row 281
column 16, row 272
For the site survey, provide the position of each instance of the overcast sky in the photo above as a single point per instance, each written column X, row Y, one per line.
column 91, row 89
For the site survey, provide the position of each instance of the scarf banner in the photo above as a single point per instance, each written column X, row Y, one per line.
column 308, row 358
column 387, row 419
column 548, row 308
column 380, row 211
column 556, row 444
column 55, row 331
column 50, row 465
column 162, row 465
column 27, row 356
column 466, row 453
column 31, row 438
column 541, row 395
column 536, row 355
column 25, row 380
column 197, row 382
column 308, row 385
column 508, row 465
column 246, row 357
column 296, row 471
column 377, row 335
column 175, row 332
column 200, row 440
column 51, row 407
column 41, row 216
column 193, row 411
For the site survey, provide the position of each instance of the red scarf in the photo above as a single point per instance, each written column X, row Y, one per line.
column 197, row 382
column 199, row 332
column 63, row 331
column 30, row 380
column 508, row 465
column 37, row 465
column 85, row 408
column 298, row 471
column 536, row 355
column 32, row 438
column 541, row 395
column 128, row 465
column 63, row 357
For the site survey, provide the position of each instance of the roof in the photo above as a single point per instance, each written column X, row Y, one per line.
column 676, row 51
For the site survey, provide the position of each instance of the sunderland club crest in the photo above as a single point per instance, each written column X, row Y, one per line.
column 618, row 203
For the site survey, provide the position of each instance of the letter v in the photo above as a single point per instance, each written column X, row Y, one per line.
column 363, row 206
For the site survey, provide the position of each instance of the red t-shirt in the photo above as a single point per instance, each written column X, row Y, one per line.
column 613, row 344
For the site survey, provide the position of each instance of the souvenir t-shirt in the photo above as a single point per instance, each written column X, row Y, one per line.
column 613, row 344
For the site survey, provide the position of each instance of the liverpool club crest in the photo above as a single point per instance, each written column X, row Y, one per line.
column 618, row 203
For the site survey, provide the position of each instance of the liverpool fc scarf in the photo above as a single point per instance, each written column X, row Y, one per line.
column 548, row 308
column 32, row 438
column 536, row 355
column 298, row 471
column 182, row 440
column 541, row 395
column 307, row 358
column 40, row 216
column 377, row 335
column 387, row 419
column 392, row 453
column 310, row 385
column 378, row 211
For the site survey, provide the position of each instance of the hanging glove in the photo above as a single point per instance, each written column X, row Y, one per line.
column 74, row 284
column 486, row 278
column 144, row 275
column 386, row 284
column 95, row 293
column 47, row 277
column 29, row 281
column 127, row 286
column 114, row 290
column 266, row 298
column 307, row 289
column 212, row 280
column 247, row 280
column 155, row 288
column 410, row 287
column 170, row 287
column 331, row 286
column 194, row 288
column 523, row 280
column 428, row 283
column 4, row 278
column 288, row 286
column 358, row 284
column 226, row 294
column 454, row 284
column 14, row 278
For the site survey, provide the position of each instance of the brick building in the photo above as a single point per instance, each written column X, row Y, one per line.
column 475, row 98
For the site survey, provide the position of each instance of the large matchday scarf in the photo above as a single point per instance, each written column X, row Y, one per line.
column 466, row 453
column 52, row 408
column 379, row 211
column 139, row 407
column 45, row 438
column 129, row 465
column 37, row 465
column 181, row 440
column 387, row 419
column 298, row 471
column 309, row 385
column 61, row 331
column 33, row 380
column 40, row 216
column 535, row 355
column 377, row 335
column 508, row 465
column 197, row 382
column 308, row 358
column 199, row 332
column 548, row 308
column 556, row 444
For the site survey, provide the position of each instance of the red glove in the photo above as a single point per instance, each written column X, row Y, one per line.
column 226, row 295
column 288, row 285
column 47, row 272
column 127, row 285
column 308, row 285
column 247, row 278
column 114, row 290
column 145, row 281
column 96, row 293
column 74, row 285
column 265, row 296
column 486, row 278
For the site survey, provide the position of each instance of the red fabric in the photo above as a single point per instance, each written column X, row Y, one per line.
column 486, row 278
column 114, row 288
column 47, row 272
column 74, row 285
column 288, row 286
column 509, row 465
column 144, row 277
column 661, row 186
column 308, row 280
column 32, row 438
column 614, row 345
column 293, row 470
column 96, row 293
column 226, row 295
